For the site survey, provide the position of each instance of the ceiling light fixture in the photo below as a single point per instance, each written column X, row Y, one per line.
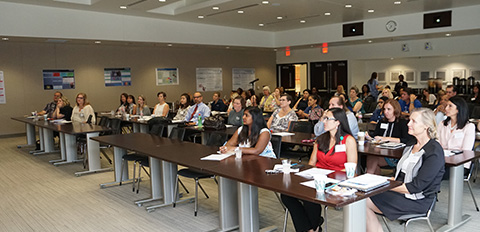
column 448, row 34
column 397, row 2
column 170, row 45
column 261, row 24
column 123, row 7
column 371, row 11
column 240, row 12
column 279, row 17
column 303, row 21
column 265, row 2
column 98, row 42
column 348, row 6
column 328, row 13
column 201, row 16
column 162, row 0
column 216, row 8
column 370, row 41
column 4, row 38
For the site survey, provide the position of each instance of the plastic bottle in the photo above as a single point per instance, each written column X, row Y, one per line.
column 359, row 116
column 199, row 122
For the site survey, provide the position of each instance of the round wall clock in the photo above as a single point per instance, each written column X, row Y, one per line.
column 391, row 26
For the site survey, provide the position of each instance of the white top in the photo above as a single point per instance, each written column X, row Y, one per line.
column 268, row 151
column 158, row 111
column 431, row 99
column 82, row 115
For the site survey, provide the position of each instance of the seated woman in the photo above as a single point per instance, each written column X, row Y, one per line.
column 183, row 107
column 330, row 151
column 266, row 101
column 386, row 92
column 456, row 132
column 63, row 109
column 427, row 97
column 142, row 107
column 122, row 108
column 391, row 128
column 162, row 108
column 355, row 101
column 365, row 92
column 302, row 102
column 253, row 137
column 83, row 110
column 246, row 96
column 132, row 107
column 281, row 118
column 235, row 116
column 378, row 113
column 253, row 97
column 421, row 169
column 313, row 112
column 340, row 90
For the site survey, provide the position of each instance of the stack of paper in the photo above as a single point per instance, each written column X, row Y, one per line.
column 216, row 157
column 366, row 182
column 309, row 173
column 283, row 133
column 391, row 145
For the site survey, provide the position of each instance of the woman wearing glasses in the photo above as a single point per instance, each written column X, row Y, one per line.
column 331, row 150
column 281, row 118
column 83, row 110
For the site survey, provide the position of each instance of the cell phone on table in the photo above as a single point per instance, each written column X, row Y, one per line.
column 456, row 152
column 295, row 166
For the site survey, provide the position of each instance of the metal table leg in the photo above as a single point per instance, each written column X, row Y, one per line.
column 48, row 143
column 354, row 217
column 118, row 153
column 30, row 133
column 166, row 175
column 93, row 148
column 70, row 147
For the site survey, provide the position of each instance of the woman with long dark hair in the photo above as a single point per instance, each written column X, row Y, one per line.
column 331, row 150
column 122, row 108
column 132, row 107
column 253, row 137
column 373, row 85
column 184, row 105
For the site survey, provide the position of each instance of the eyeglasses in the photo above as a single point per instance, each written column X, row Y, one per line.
column 332, row 118
column 79, row 97
column 197, row 96
column 282, row 99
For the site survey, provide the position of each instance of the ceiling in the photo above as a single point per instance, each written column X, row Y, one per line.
column 295, row 13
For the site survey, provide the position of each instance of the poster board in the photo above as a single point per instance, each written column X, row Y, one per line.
column 241, row 78
column 3, row 99
column 58, row 79
column 117, row 77
column 167, row 76
column 209, row 79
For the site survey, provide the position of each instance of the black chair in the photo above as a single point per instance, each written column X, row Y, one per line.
column 277, row 145
column 369, row 104
column 215, row 139
column 298, row 126
column 467, row 178
column 414, row 217
column 301, row 126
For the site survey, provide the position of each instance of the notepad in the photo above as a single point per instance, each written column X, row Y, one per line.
column 177, row 121
column 309, row 173
column 366, row 182
column 283, row 133
column 391, row 145
column 216, row 157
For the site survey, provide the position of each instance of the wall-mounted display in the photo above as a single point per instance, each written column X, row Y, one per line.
column 117, row 76
column 3, row 99
column 241, row 78
column 58, row 79
column 167, row 76
column 209, row 79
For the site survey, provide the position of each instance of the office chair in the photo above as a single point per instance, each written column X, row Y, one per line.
column 215, row 139
column 298, row 126
column 414, row 217
column 467, row 178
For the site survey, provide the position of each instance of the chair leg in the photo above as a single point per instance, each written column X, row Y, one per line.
column 196, row 196
column 430, row 225
column 473, row 196
column 133, row 182
column 176, row 192
column 215, row 179
column 325, row 218
column 121, row 172
column 203, row 190
column 285, row 220
column 143, row 167
column 186, row 190
column 139, row 174
column 106, row 156
column 386, row 224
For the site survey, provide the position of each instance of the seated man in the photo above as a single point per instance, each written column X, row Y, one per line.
column 198, row 109
column 50, row 107
column 407, row 97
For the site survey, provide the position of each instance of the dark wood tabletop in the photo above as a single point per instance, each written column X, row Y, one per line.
column 68, row 128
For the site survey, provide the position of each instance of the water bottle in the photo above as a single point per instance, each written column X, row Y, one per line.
column 199, row 122
column 359, row 116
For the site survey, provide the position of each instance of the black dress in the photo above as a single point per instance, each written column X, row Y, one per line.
column 394, row 204
column 396, row 129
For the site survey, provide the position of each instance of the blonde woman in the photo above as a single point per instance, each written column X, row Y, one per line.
column 63, row 109
column 142, row 107
column 83, row 110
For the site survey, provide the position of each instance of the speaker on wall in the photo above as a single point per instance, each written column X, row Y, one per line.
column 352, row 29
column 437, row 19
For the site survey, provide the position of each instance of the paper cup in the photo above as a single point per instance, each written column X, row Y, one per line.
column 361, row 136
column 286, row 166
column 45, row 117
column 361, row 143
column 350, row 169
column 238, row 153
column 320, row 182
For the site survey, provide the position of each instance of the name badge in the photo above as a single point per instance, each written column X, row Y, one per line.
column 472, row 99
column 340, row 148
column 384, row 126
column 458, row 135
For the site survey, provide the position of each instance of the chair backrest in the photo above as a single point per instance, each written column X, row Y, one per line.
column 89, row 120
column 103, row 121
column 216, row 139
column 157, row 129
column 115, row 124
column 276, row 144
column 369, row 104
column 177, row 133
column 301, row 126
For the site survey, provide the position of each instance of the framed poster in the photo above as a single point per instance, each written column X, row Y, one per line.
column 409, row 76
column 394, row 75
column 475, row 73
column 441, row 74
column 458, row 73
column 3, row 99
column 241, row 78
column 424, row 76
column 381, row 77
column 167, row 76
column 117, row 76
column 209, row 79
column 58, row 79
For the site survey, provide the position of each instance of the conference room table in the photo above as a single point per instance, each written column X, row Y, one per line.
column 239, row 180
column 140, row 123
column 68, row 133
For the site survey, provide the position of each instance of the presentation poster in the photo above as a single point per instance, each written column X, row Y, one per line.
column 241, row 78
column 209, row 79
column 117, row 77
column 167, row 76
column 3, row 99
column 58, row 79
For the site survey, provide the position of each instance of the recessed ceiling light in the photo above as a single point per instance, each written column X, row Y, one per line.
column 98, row 42
column 201, row 16
column 169, row 45
column 162, row 0
column 261, row 24
column 370, row 41
column 227, row 47
column 279, row 17
column 328, row 13
column 448, row 34
column 371, row 11
column 391, row 58
column 216, row 8
column 303, row 21
column 123, row 7
column 348, row 6
column 265, row 2
column 397, row 2
column 4, row 38
column 240, row 12
column 275, row 49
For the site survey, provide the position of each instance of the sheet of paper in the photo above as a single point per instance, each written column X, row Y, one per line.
column 279, row 167
column 177, row 121
column 216, row 157
column 228, row 126
column 309, row 173
column 311, row 183
column 283, row 133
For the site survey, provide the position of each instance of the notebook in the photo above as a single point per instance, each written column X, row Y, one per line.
column 391, row 145
column 365, row 182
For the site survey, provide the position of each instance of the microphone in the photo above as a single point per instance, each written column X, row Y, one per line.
column 251, row 82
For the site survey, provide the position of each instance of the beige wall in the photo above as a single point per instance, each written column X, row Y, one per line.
column 23, row 63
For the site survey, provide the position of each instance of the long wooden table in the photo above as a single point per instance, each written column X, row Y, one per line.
column 244, row 175
column 68, row 142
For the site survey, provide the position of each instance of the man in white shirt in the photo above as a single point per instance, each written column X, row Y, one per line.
column 198, row 109
column 337, row 102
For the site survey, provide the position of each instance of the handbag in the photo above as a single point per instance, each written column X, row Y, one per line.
column 216, row 122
